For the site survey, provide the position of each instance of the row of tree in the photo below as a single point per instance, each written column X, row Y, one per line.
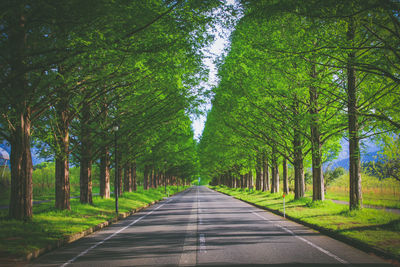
column 71, row 70
column 299, row 77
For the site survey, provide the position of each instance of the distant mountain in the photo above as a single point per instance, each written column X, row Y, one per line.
column 365, row 157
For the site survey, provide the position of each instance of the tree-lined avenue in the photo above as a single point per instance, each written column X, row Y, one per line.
column 203, row 227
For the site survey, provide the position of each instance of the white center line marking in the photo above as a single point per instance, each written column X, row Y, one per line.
column 306, row 241
column 202, row 241
column 111, row 236
column 188, row 256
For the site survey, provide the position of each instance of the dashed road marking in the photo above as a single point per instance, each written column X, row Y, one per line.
column 202, row 243
column 188, row 256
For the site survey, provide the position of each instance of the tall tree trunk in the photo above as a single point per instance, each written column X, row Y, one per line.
column 133, row 176
column 159, row 176
column 20, row 207
column 62, row 187
column 285, row 176
column 151, row 180
column 251, row 182
column 265, row 173
column 127, row 178
column 105, row 156
column 299, row 176
column 86, row 157
column 21, row 171
column 105, row 173
column 354, row 147
column 155, row 178
column 258, row 171
column 298, row 168
column 145, row 177
column 318, row 177
column 275, row 174
column 298, row 154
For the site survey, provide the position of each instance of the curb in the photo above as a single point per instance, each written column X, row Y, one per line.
column 394, row 259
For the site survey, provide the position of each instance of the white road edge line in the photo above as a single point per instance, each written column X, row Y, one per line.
column 306, row 241
column 111, row 236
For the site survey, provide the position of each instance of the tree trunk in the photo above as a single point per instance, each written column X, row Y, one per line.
column 258, row 172
column 20, row 207
column 105, row 157
column 155, row 179
column 298, row 168
column 318, row 177
column 62, row 187
column 299, row 177
column 62, row 183
column 354, row 148
column 265, row 174
column 86, row 157
column 21, row 171
column 133, row 176
column 145, row 177
column 159, row 177
column 127, row 178
column 285, row 176
column 105, row 173
column 151, row 180
column 251, row 180
column 298, row 154
column 275, row 174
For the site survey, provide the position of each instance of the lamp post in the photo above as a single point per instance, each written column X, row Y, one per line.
column 116, row 182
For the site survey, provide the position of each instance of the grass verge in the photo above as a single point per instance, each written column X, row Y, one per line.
column 374, row 228
column 49, row 225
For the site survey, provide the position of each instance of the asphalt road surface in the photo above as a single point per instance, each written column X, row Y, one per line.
column 205, row 228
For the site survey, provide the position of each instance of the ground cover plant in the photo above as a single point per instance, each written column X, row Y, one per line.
column 49, row 224
column 375, row 228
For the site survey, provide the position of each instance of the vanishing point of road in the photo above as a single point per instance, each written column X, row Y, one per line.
column 200, row 227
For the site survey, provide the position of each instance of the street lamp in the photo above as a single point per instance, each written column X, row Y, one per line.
column 116, row 182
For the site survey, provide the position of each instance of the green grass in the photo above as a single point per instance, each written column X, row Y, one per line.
column 384, row 193
column 48, row 225
column 43, row 182
column 373, row 227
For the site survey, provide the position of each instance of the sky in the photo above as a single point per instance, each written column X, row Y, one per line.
column 216, row 49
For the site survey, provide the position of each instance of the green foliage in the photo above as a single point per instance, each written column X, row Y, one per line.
column 74, row 69
column 388, row 162
column 330, row 175
column 283, row 85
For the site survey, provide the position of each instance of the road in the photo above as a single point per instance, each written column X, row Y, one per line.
column 205, row 228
